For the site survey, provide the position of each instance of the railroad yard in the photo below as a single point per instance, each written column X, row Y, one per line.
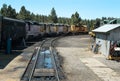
column 78, row 62
column 50, row 41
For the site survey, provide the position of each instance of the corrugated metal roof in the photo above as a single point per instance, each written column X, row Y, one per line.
column 112, row 21
column 106, row 28
column 11, row 19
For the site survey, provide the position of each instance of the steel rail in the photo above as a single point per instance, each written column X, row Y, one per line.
column 28, row 64
column 34, row 65
column 55, row 64
column 37, row 52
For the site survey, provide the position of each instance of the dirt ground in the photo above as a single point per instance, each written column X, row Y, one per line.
column 80, row 64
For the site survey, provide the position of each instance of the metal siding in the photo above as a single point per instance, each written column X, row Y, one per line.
column 35, row 30
column 60, row 29
column 108, row 48
column 42, row 32
column 102, row 38
column 118, row 21
column 52, row 29
column 115, row 35
column 47, row 29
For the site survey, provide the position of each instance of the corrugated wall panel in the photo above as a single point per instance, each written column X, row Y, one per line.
column 104, row 48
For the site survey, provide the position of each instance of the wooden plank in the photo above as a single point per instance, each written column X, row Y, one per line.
column 44, row 72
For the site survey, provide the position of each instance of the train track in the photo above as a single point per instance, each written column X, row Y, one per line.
column 45, row 63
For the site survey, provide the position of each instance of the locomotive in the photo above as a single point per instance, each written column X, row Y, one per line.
column 79, row 29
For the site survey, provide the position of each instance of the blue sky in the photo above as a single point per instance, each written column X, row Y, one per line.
column 88, row 9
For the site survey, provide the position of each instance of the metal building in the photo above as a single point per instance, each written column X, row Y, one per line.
column 114, row 21
column 105, row 34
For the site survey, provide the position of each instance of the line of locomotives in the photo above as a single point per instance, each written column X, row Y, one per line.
column 17, row 30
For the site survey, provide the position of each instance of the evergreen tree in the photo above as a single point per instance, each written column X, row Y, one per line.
column 32, row 16
column 97, row 23
column 104, row 18
column 53, row 16
column 11, row 12
column 24, row 14
column 3, row 10
column 75, row 19
column 8, row 11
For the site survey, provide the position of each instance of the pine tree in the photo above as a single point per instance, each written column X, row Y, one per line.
column 3, row 10
column 24, row 14
column 11, row 12
column 53, row 16
column 75, row 19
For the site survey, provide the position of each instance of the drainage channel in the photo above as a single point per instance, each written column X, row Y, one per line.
column 44, row 64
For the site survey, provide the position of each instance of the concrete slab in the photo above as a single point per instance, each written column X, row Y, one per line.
column 14, row 70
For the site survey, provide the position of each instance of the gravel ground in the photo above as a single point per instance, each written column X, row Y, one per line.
column 80, row 64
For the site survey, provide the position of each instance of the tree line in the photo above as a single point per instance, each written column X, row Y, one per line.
column 24, row 14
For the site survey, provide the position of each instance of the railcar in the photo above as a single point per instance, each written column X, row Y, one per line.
column 42, row 29
column 59, row 28
column 11, row 29
column 53, row 30
column 47, row 29
column 32, row 29
column 73, row 29
column 66, row 28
